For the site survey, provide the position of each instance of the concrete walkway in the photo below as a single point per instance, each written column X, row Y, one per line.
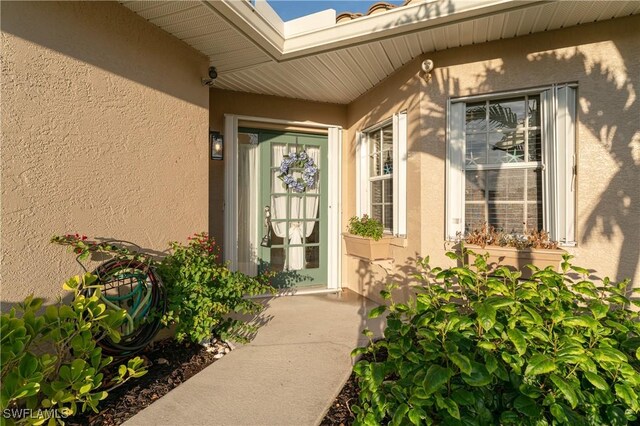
column 288, row 375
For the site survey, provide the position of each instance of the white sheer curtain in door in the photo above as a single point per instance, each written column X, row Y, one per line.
column 247, row 206
column 278, row 202
column 296, row 254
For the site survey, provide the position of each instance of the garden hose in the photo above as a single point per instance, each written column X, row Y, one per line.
column 134, row 286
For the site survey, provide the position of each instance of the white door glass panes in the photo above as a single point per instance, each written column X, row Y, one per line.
column 295, row 217
column 381, row 175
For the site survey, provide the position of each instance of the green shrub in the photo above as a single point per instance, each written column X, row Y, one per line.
column 474, row 349
column 51, row 361
column 202, row 293
column 365, row 227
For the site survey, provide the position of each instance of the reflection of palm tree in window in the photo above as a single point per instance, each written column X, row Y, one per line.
column 511, row 142
column 501, row 117
column 503, row 123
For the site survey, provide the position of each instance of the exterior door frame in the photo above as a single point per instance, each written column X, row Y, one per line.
column 334, row 151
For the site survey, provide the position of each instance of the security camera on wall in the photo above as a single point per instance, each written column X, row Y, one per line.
column 213, row 74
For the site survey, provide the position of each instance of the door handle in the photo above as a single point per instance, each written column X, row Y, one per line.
column 266, row 240
column 267, row 217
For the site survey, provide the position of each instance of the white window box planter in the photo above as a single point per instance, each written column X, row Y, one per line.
column 367, row 248
column 516, row 259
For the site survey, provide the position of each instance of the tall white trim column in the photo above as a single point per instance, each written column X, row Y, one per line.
column 230, row 249
column 335, row 196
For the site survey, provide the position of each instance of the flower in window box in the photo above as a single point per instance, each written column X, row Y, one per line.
column 515, row 250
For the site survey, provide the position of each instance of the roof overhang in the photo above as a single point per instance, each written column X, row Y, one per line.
column 322, row 60
column 256, row 23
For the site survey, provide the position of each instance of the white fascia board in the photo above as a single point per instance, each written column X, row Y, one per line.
column 267, row 31
column 270, row 15
column 310, row 23
column 397, row 21
column 241, row 15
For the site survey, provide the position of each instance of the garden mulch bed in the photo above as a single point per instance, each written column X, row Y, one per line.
column 171, row 364
column 339, row 413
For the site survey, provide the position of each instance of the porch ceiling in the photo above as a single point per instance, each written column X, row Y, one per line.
column 253, row 50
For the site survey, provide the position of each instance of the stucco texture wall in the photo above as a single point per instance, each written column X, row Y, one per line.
column 400, row 92
column 603, row 58
column 104, row 125
column 228, row 102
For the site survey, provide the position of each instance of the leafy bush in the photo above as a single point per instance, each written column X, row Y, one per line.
column 83, row 247
column 51, row 361
column 365, row 227
column 475, row 349
column 203, row 293
column 489, row 235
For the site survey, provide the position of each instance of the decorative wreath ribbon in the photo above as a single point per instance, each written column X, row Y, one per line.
column 300, row 160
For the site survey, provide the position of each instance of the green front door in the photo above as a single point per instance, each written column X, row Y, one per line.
column 296, row 217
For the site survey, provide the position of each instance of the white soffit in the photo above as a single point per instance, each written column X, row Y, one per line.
column 254, row 51
column 200, row 26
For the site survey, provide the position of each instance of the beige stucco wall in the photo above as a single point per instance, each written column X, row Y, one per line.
column 228, row 102
column 603, row 58
column 400, row 92
column 104, row 125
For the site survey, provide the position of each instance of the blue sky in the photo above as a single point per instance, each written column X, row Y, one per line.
column 291, row 9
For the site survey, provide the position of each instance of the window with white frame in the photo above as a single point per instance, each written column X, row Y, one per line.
column 511, row 162
column 503, row 163
column 381, row 173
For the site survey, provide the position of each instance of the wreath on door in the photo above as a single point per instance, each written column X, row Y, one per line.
column 298, row 160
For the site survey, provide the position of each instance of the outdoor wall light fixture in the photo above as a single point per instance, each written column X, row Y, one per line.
column 427, row 66
column 216, row 143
